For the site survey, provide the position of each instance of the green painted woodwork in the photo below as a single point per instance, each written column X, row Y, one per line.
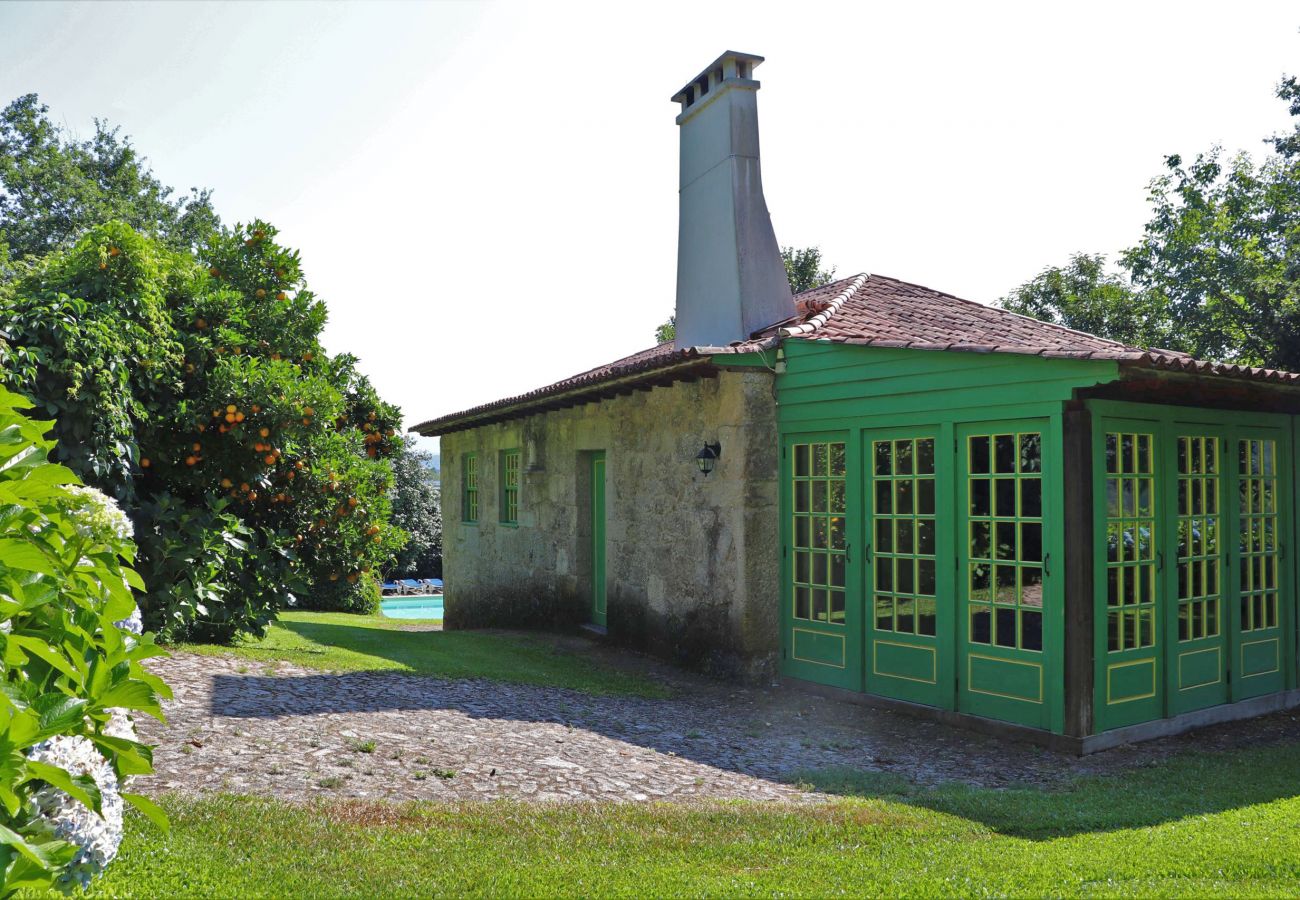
column 598, row 580
column 1193, row 597
column 469, row 488
column 907, row 595
column 909, row 607
column 509, row 481
column 823, row 635
column 1007, row 522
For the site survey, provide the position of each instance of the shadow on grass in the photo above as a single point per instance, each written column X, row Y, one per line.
column 1180, row 786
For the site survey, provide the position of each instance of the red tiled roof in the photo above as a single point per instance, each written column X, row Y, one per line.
column 875, row 311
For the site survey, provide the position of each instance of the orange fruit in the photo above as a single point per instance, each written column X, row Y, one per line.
column 260, row 292
column 334, row 576
column 256, row 408
column 352, row 579
column 144, row 462
column 353, row 501
column 377, row 539
column 269, row 459
column 265, row 432
column 232, row 408
column 252, row 495
column 282, row 296
column 306, row 421
column 191, row 460
column 230, row 417
column 200, row 323
column 239, row 417
column 113, row 251
column 243, row 485
column 214, row 272
column 226, row 482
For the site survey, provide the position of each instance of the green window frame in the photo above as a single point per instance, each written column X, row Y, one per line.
column 509, row 479
column 1259, row 533
column 903, row 510
column 469, row 488
column 1131, row 540
column 819, row 496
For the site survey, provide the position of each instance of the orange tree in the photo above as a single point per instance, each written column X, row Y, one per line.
column 255, row 464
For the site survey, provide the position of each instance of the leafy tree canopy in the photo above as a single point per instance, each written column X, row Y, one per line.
column 803, row 268
column 1217, row 272
column 54, row 188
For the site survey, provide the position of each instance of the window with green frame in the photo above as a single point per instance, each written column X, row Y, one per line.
column 819, row 493
column 509, row 480
column 469, row 488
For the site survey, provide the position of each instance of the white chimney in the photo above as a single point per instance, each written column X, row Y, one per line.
column 730, row 278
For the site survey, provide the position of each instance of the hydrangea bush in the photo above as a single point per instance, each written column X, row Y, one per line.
column 72, row 651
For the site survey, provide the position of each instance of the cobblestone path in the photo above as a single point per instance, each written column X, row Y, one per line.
column 294, row 733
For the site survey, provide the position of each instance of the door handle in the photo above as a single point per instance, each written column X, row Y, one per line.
column 1047, row 565
column 1160, row 560
column 868, row 552
column 848, row 551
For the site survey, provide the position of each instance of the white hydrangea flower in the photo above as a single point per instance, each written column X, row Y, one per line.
column 97, row 837
column 96, row 513
column 132, row 623
column 121, row 724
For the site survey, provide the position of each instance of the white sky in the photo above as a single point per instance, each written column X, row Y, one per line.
column 485, row 194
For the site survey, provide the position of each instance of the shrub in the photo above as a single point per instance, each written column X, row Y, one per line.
column 72, row 667
column 341, row 595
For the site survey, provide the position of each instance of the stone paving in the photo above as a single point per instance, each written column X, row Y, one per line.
column 281, row 730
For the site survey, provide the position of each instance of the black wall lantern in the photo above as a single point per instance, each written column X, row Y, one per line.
column 708, row 457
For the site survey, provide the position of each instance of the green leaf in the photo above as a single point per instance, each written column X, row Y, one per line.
column 151, row 810
column 80, row 787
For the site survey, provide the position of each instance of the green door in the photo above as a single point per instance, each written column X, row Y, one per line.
column 910, row 615
column 1265, row 600
column 822, row 630
column 1127, row 571
column 1006, row 608
column 1193, row 598
column 1195, row 592
column 598, row 539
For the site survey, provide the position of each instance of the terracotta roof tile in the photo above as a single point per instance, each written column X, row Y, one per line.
column 876, row 311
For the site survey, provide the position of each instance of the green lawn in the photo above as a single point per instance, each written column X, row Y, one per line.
column 1193, row 826
column 344, row 642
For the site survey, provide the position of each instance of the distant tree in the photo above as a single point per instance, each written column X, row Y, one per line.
column 416, row 510
column 1217, row 272
column 1084, row 295
column 54, row 188
column 803, row 268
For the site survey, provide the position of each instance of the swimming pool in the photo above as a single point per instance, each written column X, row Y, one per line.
column 427, row 607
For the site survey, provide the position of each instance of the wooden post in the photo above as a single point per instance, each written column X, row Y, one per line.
column 1079, row 595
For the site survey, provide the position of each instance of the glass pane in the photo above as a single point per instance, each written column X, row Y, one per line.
column 837, row 461
column 925, row 577
column 819, row 604
column 837, row 532
column 1005, row 587
column 925, row 496
column 819, row 533
column 979, row 455
column 837, row 570
column 1144, row 453
column 925, row 456
column 1031, row 498
column 979, row 497
column 885, row 575
column 903, row 536
column 1031, row 453
column 801, row 496
column 905, row 607
column 1004, row 453
column 981, row 625
column 837, row 496
column 925, row 617
column 925, row 536
column 884, row 614
column 979, row 582
column 903, row 497
column 884, row 536
column 1006, row 497
column 902, row 457
column 905, row 577
column 1031, row 586
column 819, row 460
column 1031, row 542
column 819, row 496
column 884, row 456
column 1031, row 629
column 801, row 467
column 802, row 567
column 837, row 606
column 819, row 569
column 802, row 532
column 1112, row 453
column 802, row 603
column 1005, row 543
column 980, row 540
column 1005, row 633
column 884, row 498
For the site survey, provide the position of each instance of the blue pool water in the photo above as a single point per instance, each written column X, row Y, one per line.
column 429, row 607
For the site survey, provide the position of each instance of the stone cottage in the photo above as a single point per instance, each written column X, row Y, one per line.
column 890, row 493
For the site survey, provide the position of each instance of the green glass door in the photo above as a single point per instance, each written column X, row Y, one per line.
column 1260, row 653
column 598, row 581
column 1195, row 591
column 1129, row 684
column 1003, row 583
column 822, row 640
column 909, row 607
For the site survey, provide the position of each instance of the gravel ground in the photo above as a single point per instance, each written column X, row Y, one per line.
column 284, row 731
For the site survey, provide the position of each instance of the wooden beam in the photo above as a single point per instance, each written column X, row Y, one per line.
column 1080, row 619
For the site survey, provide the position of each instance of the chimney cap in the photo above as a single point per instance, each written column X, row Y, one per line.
column 730, row 66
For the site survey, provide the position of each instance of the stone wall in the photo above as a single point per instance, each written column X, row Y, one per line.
column 693, row 562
